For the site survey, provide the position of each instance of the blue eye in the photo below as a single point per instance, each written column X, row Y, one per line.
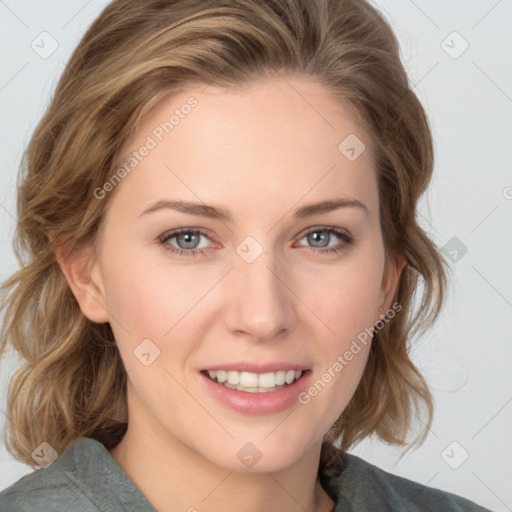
column 187, row 241
column 320, row 238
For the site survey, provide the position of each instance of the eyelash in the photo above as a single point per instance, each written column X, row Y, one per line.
column 348, row 239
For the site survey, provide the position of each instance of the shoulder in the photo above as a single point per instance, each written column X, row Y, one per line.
column 53, row 488
column 362, row 486
column 84, row 477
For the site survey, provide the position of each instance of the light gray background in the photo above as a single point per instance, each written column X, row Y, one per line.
column 468, row 97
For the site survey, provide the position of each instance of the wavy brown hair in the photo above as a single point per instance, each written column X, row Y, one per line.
column 72, row 382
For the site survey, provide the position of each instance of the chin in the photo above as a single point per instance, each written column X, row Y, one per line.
column 255, row 456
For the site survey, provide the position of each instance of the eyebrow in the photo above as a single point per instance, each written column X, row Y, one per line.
column 219, row 213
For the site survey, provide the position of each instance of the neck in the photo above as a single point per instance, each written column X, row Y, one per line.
column 174, row 477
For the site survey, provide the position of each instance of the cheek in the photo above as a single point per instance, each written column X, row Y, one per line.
column 348, row 306
column 335, row 381
column 344, row 296
column 148, row 297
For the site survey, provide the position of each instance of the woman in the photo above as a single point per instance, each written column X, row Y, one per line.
column 218, row 215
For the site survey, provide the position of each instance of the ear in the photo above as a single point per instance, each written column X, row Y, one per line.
column 82, row 272
column 392, row 272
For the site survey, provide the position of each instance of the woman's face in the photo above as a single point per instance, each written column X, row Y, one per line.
column 259, row 280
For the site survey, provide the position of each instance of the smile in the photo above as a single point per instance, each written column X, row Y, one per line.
column 254, row 382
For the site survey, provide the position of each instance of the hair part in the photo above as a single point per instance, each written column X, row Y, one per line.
column 72, row 382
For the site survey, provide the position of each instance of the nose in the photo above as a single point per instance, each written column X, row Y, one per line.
column 261, row 303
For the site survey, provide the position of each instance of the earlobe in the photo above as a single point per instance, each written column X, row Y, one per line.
column 81, row 270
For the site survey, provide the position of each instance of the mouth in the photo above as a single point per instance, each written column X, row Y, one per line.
column 250, row 382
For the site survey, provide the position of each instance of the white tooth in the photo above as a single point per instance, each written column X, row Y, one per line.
column 267, row 380
column 290, row 376
column 280, row 377
column 249, row 389
column 239, row 387
column 248, row 380
column 233, row 378
column 253, row 382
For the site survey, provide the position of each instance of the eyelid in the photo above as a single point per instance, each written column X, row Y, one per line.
column 335, row 229
column 175, row 232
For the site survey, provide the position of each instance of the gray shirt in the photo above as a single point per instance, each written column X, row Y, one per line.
column 85, row 478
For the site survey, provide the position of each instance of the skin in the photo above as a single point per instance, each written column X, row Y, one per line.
column 261, row 152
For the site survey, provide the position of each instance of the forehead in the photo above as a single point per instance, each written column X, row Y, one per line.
column 284, row 135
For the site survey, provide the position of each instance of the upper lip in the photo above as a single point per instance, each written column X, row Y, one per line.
column 256, row 368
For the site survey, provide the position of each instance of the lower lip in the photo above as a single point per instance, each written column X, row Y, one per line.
column 257, row 403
